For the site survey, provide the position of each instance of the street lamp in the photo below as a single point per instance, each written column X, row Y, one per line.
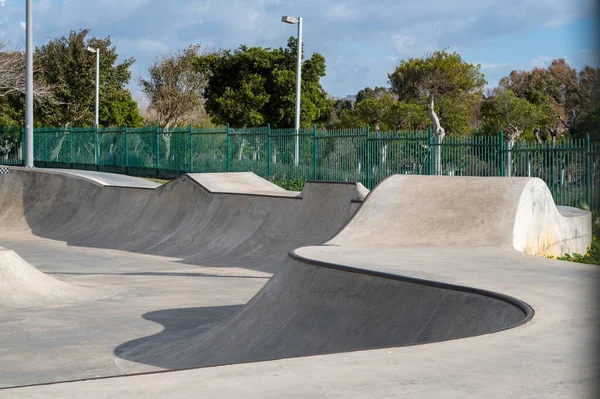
column 293, row 20
column 29, row 87
column 97, row 51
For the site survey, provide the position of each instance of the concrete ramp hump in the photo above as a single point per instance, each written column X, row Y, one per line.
column 467, row 211
column 22, row 285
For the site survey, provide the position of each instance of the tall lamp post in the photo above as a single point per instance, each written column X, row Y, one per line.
column 293, row 20
column 29, row 87
column 97, row 51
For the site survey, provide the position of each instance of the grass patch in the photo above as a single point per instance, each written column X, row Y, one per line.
column 159, row 181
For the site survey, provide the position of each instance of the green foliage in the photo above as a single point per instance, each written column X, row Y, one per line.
column 379, row 108
column 455, row 87
column 295, row 184
column 509, row 113
column 253, row 86
column 174, row 88
column 69, row 68
column 591, row 257
column 567, row 100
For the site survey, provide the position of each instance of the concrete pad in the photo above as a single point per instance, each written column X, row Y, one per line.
column 238, row 182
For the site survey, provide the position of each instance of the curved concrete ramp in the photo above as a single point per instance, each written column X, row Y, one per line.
column 445, row 211
column 22, row 286
column 180, row 219
column 311, row 308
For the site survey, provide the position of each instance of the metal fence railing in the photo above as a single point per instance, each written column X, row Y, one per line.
column 570, row 168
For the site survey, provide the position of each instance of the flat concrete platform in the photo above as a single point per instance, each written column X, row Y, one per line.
column 378, row 310
column 108, row 179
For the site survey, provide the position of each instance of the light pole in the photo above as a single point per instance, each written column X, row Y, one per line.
column 29, row 87
column 293, row 20
column 97, row 51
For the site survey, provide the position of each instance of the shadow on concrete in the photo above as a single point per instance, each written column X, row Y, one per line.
column 179, row 324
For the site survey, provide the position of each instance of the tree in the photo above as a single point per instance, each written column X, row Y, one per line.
column 367, row 92
column 568, row 98
column 252, row 86
column 449, row 88
column 12, row 87
column 504, row 111
column 174, row 87
column 70, row 69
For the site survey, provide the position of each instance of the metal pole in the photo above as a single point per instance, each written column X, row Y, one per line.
column 298, row 84
column 29, row 84
column 97, row 82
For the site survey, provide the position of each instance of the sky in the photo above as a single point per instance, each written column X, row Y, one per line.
column 361, row 40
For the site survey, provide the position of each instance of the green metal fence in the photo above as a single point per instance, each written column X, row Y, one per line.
column 570, row 168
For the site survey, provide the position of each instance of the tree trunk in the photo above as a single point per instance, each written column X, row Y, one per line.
column 54, row 153
column 509, row 147
column 438, row 133
column 241, row 149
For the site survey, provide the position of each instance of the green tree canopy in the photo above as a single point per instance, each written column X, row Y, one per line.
column 252, row 86
column 449, row 88
column 174, row 88
column 70, row 69
column 505, row 111
column 569, row 99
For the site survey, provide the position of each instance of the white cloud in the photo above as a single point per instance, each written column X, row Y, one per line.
column 492, row 66
column 402, row 42
column 341, row 12
column 23, row 25
column 542, row 61
column 2, row 3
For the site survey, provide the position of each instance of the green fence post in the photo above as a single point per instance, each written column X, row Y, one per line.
column 126, row 151
column 45, row 151
column 228, row 150
column 501, row 153
column 314, row 152
column 96, row 149
column 191, row 149
column 268, row 151
column 157, row 150
column 23, row 145
column 429, row 149
column 368, row 162
column 70, row 147
column 588, row 170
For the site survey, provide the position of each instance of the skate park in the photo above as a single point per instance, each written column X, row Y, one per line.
column 225, row 285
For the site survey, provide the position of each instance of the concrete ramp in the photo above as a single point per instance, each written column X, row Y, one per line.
column 181, row 219
column 311, row 308
column 445, row 211
column 23, row 286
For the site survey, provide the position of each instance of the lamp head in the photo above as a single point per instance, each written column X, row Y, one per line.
column 289, row 20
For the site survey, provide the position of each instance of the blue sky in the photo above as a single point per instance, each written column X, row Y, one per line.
column 362, row 40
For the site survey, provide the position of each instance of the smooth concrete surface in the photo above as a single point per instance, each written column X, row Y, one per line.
column 148, row 295
column 552, row 356
column 238, row 183
column 375, row 284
